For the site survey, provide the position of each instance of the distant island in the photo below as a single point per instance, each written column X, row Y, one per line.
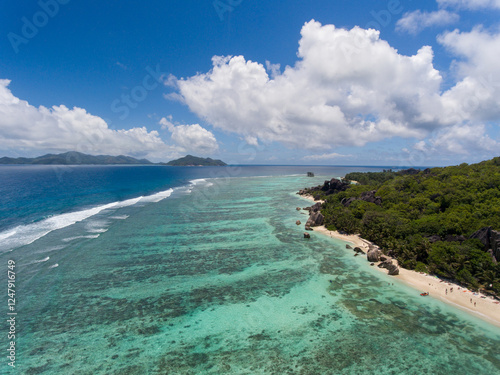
column 74, row 158
column 193, row 161
column 78, row 158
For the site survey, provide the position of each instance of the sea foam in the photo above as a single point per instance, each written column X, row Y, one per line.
column 29, row 233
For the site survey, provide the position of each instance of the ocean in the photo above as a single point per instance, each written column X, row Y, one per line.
column 203, row 270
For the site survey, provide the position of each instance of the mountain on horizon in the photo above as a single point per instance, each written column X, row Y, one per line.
column 74, row 158
column 194, row 161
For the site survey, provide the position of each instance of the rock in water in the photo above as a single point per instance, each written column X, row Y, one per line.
column 348, row 247
column 298, row 222
column 358, row 250
column 307, row 235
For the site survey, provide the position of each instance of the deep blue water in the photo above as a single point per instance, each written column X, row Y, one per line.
column 30, row 193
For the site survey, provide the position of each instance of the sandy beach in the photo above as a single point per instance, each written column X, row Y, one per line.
column 477, row 304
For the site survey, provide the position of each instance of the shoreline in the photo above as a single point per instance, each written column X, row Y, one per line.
column 477, row 304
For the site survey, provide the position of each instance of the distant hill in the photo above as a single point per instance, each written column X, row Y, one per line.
column 75, row 158
column 190, row 161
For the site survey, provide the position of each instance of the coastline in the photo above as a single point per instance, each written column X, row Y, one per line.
column 477, row 304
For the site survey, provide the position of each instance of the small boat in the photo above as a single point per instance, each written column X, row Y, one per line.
column 424, row 294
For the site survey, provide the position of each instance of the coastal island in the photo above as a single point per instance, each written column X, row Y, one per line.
column 194, row 161
column 436, row 228
column 75, row 158
column 78, row 158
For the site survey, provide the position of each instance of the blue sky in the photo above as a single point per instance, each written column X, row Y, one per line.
column 362, row 89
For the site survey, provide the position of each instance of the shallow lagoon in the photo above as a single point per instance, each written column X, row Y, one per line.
column 217, row 279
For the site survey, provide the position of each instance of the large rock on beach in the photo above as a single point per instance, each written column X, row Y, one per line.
column 373, row 255
column 393, row 269
column 316, row 219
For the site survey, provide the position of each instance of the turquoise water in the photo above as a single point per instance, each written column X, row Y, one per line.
column 218, row 279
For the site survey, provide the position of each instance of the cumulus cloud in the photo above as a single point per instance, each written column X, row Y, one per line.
column 461, row 140
column 414, row 22
column 470, row 4
column 191, row 137
column 332, row 155
column 349, row 87
column 476, row 96
column 59, row 129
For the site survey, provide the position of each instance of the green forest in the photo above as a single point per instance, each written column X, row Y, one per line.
column 425, row 218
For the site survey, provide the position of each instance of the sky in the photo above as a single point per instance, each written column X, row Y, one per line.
column 317, row 82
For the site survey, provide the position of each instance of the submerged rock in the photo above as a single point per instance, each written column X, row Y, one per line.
column 348, row 247
column 298, row 222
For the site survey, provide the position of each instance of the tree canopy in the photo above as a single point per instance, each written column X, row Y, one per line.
column 425, row 218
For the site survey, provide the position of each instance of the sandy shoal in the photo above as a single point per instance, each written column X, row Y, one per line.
column 477, row 304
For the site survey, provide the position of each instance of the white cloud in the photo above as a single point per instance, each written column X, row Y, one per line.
column 470, row 4
column 333, row 155
column 59, row 129
column 459, row 139
column 191, row 138
column 414, row 22
column 349, row 87
column 476, row 96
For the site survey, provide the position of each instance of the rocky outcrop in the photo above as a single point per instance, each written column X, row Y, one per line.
column 315, row 220
column 329, row 187
column 373, row 255
column 391, row 267
column 367, row 196
column 434, row 238
column 358, row 250
column 315, row 208
column 490, row 239
column 307, row 235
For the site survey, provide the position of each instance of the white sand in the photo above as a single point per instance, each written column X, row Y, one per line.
column 478, row 304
